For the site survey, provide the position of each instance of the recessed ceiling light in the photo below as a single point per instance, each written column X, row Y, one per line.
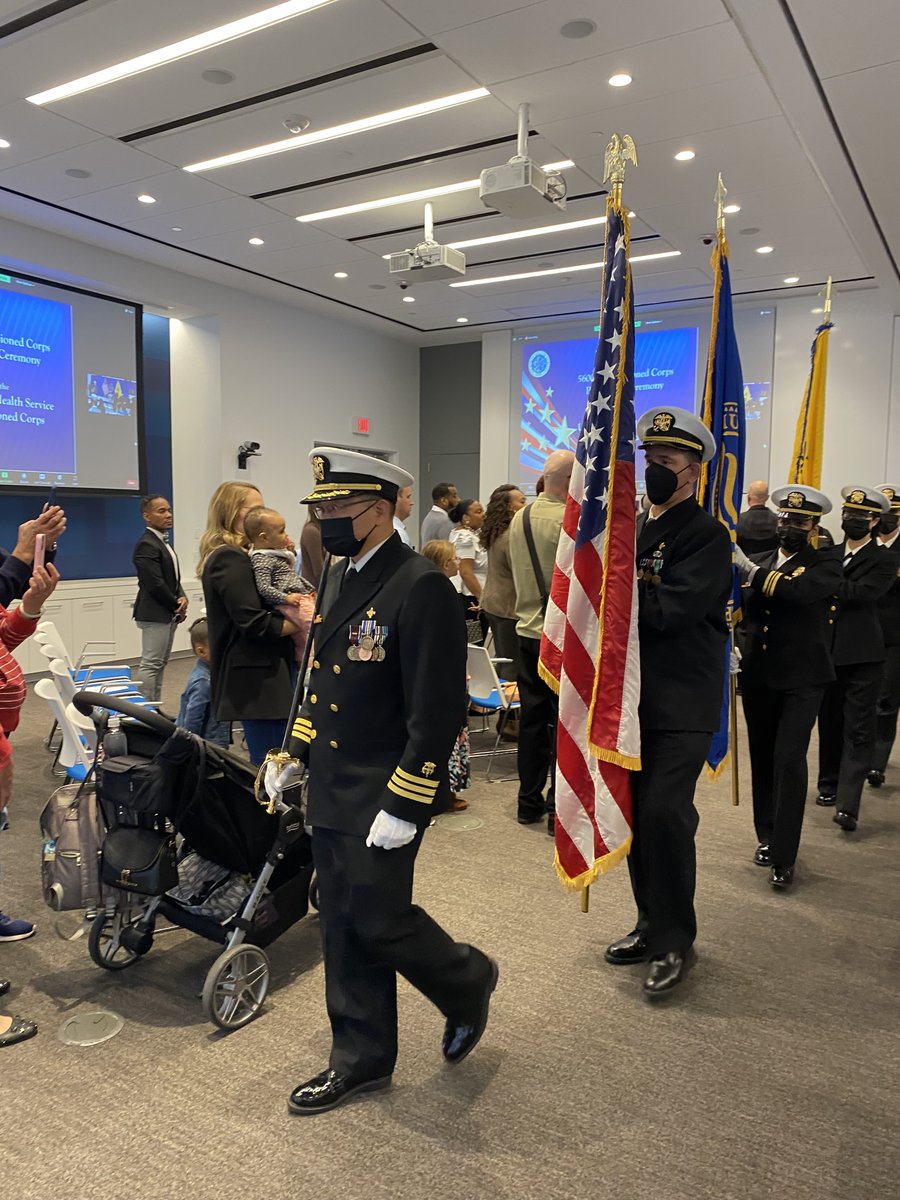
column 462, row 320
column 684, row 156
column 77, row 173
column 409, row 299
column 341, row 275
column 4, row 144
column 183, row 49
column 448, row 189
column 816, row 311
column 792, row 279
column 145, row 199
column 214, row 75
column 632, row 214
column 578, row 29
column 622, row 80
column 764, row 249
column 593, row 266
column 731, row 208
column 363, row 124
column 176, row 229
column 256, row 241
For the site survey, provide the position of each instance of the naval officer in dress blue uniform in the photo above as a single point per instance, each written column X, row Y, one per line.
column 385, row 701
column 889, row 615
column 785, row 667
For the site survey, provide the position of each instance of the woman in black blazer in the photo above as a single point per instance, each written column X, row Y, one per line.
column 250, row 648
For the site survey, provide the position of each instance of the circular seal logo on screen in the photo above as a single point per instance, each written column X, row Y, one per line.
column 539, row 364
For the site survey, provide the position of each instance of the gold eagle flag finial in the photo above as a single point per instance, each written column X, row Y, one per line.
column 620, row 151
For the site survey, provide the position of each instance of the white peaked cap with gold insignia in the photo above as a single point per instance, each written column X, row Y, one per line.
column 893, row 495
column 865, row 499
column 338, row 473
column 678, row 428
column 800, row 499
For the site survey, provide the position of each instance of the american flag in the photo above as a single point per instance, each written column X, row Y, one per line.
column 589, row 650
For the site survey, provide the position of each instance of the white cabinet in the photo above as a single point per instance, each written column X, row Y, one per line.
column 92, row 622
column 125, row 632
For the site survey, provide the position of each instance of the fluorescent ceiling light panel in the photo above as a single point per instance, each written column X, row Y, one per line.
column 594, row 266
column 395, row 117
column 448, row 189
column 183, row 49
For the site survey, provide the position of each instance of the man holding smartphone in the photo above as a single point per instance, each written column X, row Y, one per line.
column 160, row 604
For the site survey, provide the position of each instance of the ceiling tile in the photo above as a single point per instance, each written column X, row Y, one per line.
column 109, row 164
column 173, row 190
column 34, row 133
column 848, row 37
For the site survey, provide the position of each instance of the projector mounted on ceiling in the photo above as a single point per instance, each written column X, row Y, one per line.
column 429, row 260
column 520, row 188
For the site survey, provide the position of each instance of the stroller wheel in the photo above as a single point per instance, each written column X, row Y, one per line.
column 105, row 944
column 236, row 986
column 314, row 892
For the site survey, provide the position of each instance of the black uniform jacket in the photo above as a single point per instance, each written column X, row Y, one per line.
column 857, row 630
column 159, row 584
column 378, row 734
column 788, row 618
column 250, row 662
column 684, row 582
column 757, row 530
column 889, row 604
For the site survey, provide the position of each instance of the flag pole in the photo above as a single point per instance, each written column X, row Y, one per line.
column 620, row 151
column 735, row 775
column 828, row 299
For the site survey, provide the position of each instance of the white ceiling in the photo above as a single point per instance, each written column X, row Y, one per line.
column 709, row 75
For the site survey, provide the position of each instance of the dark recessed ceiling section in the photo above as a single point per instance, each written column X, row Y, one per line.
column 46, row 12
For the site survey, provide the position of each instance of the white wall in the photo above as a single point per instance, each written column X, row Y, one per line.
column 247, row 368
column 862, row 425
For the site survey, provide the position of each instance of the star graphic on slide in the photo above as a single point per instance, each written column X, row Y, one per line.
column 530, row 405
column 563, row 434
column 549, row 392
column 547, row 413
column 525, row 443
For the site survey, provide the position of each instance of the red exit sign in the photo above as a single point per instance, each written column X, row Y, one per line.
column 361, row 425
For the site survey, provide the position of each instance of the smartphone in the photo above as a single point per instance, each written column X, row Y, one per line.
column 51, row 498
column 40, row 548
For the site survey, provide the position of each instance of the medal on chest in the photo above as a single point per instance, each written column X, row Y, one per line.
column 367, row 642
column 650, row 567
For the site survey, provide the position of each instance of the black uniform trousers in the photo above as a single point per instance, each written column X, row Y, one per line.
column 536, row 752
column 663, row 858
column 371, row 930
column 887, row 709
column 847, row 733
column 779, row 725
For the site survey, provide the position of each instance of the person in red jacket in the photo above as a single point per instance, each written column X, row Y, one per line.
column 15, row 627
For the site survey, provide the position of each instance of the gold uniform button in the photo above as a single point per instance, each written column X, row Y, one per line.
column 765, row 629
column 830, row 622
column 333, row 707
column 314, row 699
column 316, row 664
column 336, row 669
column 333, row 745
column 765, row 647
column 834, row 608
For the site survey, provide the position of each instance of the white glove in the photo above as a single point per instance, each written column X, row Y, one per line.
column 390, row 833
column 734, row 662
column 746, row 569
column 279, row 778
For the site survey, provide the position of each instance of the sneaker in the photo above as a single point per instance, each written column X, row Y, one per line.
column 12, row 930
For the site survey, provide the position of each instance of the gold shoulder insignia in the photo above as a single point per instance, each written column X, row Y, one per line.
column 797, row 571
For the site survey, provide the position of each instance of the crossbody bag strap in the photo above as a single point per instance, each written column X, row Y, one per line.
column 535, row 561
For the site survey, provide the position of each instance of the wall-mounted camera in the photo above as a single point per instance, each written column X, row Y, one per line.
column 247, row 450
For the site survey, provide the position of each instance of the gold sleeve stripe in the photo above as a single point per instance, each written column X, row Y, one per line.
column 304, row 732
column 396, row 788
column 416, row 779
column 425, row 793
column 772, row 580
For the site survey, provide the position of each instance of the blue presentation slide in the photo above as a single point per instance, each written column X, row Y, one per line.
column 556, row 380
column 37, row 414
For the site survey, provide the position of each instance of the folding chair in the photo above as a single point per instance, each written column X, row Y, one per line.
column 486, row 690
column 76, row 754
column 48, row 635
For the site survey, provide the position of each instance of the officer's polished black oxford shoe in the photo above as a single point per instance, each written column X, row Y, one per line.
column 528, row 818
column 763, row 855
column 328, row 1090
column 4, row 986
column 551, row 824
column 875, row 778
column 846, row 820
column 665, row 974
column 461, row 1039
column 627, row 950
column 781, row 878
column 825, row 799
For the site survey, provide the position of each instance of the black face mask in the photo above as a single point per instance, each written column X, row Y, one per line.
column 339, row 538
column 888, row 523
column 855, row 528
column 792, row 541
column 662, row 482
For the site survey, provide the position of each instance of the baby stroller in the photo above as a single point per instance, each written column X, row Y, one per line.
column 155, row 781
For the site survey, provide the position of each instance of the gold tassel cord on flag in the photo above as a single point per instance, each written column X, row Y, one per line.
column 720, row 250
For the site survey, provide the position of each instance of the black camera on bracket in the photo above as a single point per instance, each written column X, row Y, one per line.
column 247, row 450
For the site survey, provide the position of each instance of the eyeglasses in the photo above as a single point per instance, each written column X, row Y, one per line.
column 334, row 509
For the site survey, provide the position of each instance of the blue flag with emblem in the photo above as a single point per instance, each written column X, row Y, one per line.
column 722, row 481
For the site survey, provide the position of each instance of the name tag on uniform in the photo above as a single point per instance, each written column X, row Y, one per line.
column 367, row 642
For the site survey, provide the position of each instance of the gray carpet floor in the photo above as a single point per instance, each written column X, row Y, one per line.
column 774, row 1072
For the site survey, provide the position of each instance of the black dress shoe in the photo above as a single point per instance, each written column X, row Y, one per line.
column 551, row 824
column 627, row 950
column 763, row 855
column 825, row 799
column 4, row 986
column 328, row 1090
column 461, row 1039
column 846, row 820
column 665, row 974
column 529, row 818
column 781, row 877
column 875, row 778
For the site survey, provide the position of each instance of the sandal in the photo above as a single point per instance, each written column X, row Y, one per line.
column 20, row 1031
